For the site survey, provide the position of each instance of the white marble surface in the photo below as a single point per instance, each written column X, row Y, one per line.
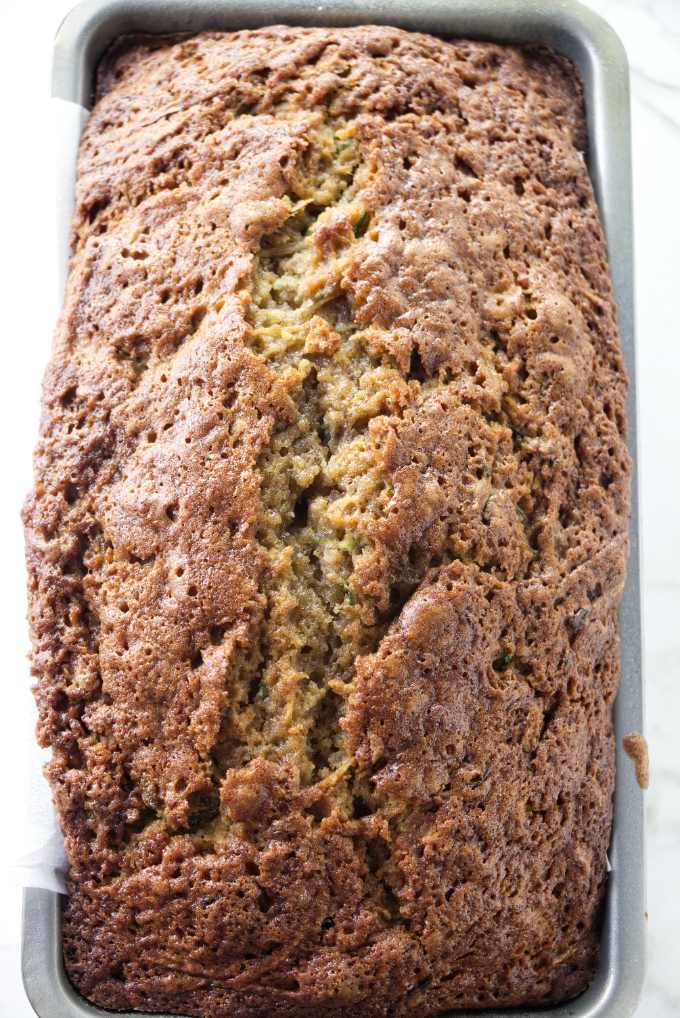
column 650, row 30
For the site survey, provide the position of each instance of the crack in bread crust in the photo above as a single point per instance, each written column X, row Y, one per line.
column 329, row 530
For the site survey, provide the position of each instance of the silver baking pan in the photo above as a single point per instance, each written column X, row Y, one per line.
column 571, row 29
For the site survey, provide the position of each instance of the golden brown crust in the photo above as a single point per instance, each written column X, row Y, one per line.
column 329, row 530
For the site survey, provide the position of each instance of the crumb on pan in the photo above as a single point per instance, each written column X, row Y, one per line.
column 636, row 747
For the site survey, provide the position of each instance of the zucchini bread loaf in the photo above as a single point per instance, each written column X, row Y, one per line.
column 329, row 530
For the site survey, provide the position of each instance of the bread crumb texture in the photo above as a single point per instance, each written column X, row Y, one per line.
column 329, row 530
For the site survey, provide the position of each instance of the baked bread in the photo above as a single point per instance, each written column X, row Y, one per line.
column 329, row 530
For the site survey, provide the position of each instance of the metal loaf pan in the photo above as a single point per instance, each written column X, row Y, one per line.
column 571, row 29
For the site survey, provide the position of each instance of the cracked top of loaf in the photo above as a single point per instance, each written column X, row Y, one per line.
column 329, row 530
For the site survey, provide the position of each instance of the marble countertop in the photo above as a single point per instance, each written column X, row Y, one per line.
column 650, row 30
